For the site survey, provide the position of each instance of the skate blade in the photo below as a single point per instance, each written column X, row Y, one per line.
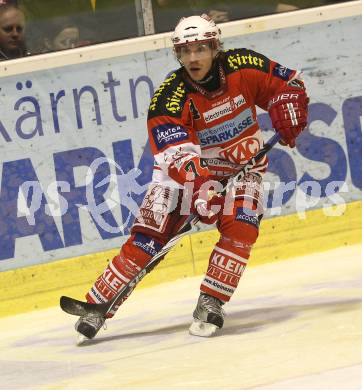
column 202, row 329
column 81, row 339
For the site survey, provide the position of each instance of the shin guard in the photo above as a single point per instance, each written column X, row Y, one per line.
column 134, row 255
column 226, row 265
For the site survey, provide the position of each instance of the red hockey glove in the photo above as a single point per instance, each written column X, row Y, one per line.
column 206, row 202
column 288, row 111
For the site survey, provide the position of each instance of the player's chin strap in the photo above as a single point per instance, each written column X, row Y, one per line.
column 79, row 308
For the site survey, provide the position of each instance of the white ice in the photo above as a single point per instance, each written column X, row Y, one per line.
column 291, row 325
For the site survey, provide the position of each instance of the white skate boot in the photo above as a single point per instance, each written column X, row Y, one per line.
column 88, row 326
column 208, row 316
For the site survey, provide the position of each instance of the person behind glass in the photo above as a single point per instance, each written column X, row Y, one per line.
column 12, row 32
column 203, row 127
column 60, row 34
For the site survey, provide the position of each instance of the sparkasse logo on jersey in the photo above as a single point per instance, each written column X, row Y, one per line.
column 224, row 109
column 226, row 131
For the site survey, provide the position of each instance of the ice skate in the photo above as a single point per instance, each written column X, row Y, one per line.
column 208, row 316
column 88, row 326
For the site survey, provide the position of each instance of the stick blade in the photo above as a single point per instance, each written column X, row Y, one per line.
column 79, row 308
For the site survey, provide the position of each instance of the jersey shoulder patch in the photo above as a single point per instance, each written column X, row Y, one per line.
column 170, row 97
column 236, row 59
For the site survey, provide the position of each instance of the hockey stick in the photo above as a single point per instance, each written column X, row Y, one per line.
column 80, row 308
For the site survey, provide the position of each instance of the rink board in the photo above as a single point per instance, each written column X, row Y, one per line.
column 41, row 286
column 59, row 119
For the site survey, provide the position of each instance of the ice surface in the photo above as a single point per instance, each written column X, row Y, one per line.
column 291, row 325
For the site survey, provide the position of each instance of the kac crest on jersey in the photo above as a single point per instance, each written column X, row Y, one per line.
column 241, row 151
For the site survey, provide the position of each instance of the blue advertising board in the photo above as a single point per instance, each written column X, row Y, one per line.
column 58, row 125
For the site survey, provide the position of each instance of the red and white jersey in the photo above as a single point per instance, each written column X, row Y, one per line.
column 221, row 125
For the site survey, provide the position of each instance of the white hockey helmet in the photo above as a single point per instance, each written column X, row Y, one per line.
column 196, row 29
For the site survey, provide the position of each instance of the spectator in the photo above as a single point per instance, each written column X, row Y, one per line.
column 45, row 16
column 12, row 29
column 60, row 34
column 98, row 21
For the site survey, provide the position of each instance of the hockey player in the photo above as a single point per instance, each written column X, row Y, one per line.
column 202, row 126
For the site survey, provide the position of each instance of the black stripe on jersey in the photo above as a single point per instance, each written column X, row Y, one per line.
column 169, row 99
column 236, row 59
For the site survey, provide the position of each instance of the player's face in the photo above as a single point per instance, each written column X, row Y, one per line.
column 196, row 58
